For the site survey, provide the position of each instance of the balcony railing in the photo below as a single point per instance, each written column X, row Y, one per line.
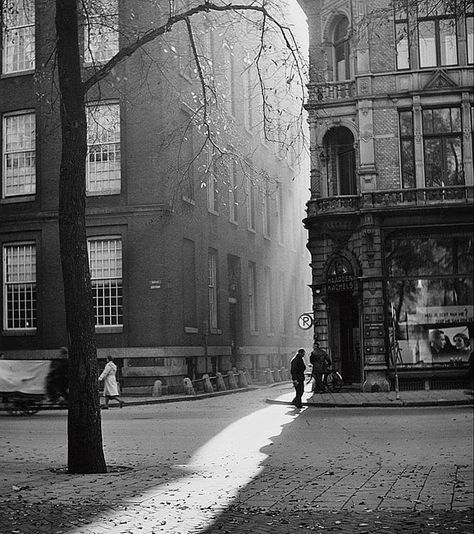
column 393, row 199
column 323, row 93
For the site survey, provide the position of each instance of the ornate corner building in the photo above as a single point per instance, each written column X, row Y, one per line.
column 390, row 104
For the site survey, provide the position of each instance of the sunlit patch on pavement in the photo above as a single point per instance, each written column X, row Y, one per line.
column 210, row 481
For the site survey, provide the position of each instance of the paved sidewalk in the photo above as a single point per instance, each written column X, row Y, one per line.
column 345, row 398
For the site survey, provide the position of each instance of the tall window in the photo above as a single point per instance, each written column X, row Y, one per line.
column 229, row 63
column 233, row 195
column 269, row 311
column 212, row 288
column 342, row 50
column 266, row 210
column 401, row 35
column 189, row 284
column 105, row 264
column 252, row 295
column 442, row 140
column 19, row 154
column 470, row 37
column 18, row 36
column 251, row 204
column 103, row 149
column 280, row 213
column 212, row 187
column 247, row 95
column 19, row 286
column 186, row 156
column 101, row 38
column 407, row 151
column 437, row 39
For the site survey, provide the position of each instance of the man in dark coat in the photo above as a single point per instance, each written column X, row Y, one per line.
column 321, row 363
column 297, row 369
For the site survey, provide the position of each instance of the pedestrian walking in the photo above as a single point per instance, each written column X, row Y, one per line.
column 321, row 363
column 110, row 383
column 297, row 369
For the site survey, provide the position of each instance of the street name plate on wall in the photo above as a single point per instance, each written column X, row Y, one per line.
column 339, row 282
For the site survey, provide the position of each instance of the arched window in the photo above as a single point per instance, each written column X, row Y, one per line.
column 342, row 50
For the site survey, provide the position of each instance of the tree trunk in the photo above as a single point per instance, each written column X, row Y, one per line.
column 85, row 452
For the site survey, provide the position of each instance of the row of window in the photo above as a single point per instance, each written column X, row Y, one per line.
column 435, row 25
column 100, row 34
column 19, row 283
column 103, row 155
column 105, row 263
column 442, row 147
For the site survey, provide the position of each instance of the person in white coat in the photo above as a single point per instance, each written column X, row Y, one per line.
column 110, row 383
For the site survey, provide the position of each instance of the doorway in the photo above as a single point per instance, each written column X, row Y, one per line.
column 345, row 336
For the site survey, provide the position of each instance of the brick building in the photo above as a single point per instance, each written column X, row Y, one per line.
column 390, row 216
column 197, row 260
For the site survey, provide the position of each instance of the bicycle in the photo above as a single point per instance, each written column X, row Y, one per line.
column 332, row 381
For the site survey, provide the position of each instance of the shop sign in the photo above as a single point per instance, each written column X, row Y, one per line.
column 441, row 314
column 339, row 282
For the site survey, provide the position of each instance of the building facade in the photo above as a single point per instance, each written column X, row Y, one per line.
column 390, row 103
column 198, row 261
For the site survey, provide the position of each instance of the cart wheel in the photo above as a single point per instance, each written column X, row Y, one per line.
column 333, row 382
column 22, row 407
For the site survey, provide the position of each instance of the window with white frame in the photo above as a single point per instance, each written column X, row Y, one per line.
column 19, row 154
column 269, row 300
column 101, row 37
column 103, row 149
column 247, row 94
column 280, row 213
column 470, row 36
column 437, row 37
column 19, row 286
column 233, row 195
column 402, row 42
column 18, row 36
column 105, row 264
column 212, row 288
column 252, row 295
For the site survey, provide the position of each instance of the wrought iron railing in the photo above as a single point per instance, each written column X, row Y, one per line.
column 392, row 198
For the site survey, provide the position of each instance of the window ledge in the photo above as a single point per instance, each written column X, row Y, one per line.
column 107, row 192
column 252, row 230
column 235, row 223
column 17, row 199
column 254, row 333
column 18, row 73
column 188, row 200
column 117, row 329
column 213, row 212
column 25, row 332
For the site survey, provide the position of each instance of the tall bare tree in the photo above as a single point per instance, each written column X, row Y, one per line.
column 85, row 452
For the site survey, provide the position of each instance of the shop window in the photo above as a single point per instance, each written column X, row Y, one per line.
column 105, row 264
column 19, row 154
column 18, row 36
column 101, row 37
column 430, row 292
column 437, row 38
column 402, row 41
column 407, row 149
column 19, row 286
column 103, row 149
column 442, row 143
column 342, row 50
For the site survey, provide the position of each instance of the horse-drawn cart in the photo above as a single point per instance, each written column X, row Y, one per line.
column 23, row 385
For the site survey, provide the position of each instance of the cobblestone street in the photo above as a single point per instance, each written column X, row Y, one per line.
column 251, row 468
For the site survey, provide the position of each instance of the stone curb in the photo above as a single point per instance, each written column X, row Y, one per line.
column 394, row 404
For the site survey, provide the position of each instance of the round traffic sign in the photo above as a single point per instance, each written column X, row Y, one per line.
column 305, row 321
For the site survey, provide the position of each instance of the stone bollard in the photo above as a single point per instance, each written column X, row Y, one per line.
column 276, row 375
column 248, row 376
column 268, row 376
column 188, row 387
column 157, row 389
column 243, row 379
column 232, row 381
column 207, row 384
column 284, row 373
column 220, row 382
